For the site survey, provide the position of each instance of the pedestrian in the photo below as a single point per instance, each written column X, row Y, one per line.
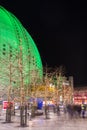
column 83, row 109
column 54, row 108
column 58, row 110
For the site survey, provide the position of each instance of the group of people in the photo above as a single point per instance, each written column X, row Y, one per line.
column 77, row 110
column 73, row 110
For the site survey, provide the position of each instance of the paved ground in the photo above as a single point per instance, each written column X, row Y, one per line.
column 40, row 123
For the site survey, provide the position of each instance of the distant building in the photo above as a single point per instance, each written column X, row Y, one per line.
column 80, row 94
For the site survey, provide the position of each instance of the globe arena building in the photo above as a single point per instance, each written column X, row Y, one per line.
column 20, row 61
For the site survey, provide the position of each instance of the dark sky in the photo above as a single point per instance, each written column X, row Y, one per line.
column 59, row 30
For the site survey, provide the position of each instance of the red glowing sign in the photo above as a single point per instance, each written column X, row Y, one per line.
column 6, row 104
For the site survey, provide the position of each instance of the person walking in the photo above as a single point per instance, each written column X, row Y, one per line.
column 83, row 109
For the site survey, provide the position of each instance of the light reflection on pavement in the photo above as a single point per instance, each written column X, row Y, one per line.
column 62, row 122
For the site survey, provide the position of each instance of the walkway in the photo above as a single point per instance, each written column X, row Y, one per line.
column 40, row 123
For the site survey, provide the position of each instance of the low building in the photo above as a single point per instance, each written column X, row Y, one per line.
column 80, row 94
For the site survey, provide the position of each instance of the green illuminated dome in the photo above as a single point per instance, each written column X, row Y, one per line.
column 17, row 51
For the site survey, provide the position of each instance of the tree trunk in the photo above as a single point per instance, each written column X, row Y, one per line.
column 8, row 115
column 23, row 116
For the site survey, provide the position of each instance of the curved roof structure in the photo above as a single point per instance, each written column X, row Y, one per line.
column 17, row 52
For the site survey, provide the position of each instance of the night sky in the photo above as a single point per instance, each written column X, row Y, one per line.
column 59, row 30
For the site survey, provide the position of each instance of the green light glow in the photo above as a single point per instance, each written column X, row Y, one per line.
column 14, row 36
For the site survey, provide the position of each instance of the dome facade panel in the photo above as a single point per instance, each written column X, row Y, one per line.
column 16, row 45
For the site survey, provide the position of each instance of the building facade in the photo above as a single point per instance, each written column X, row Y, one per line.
column 80, row 95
